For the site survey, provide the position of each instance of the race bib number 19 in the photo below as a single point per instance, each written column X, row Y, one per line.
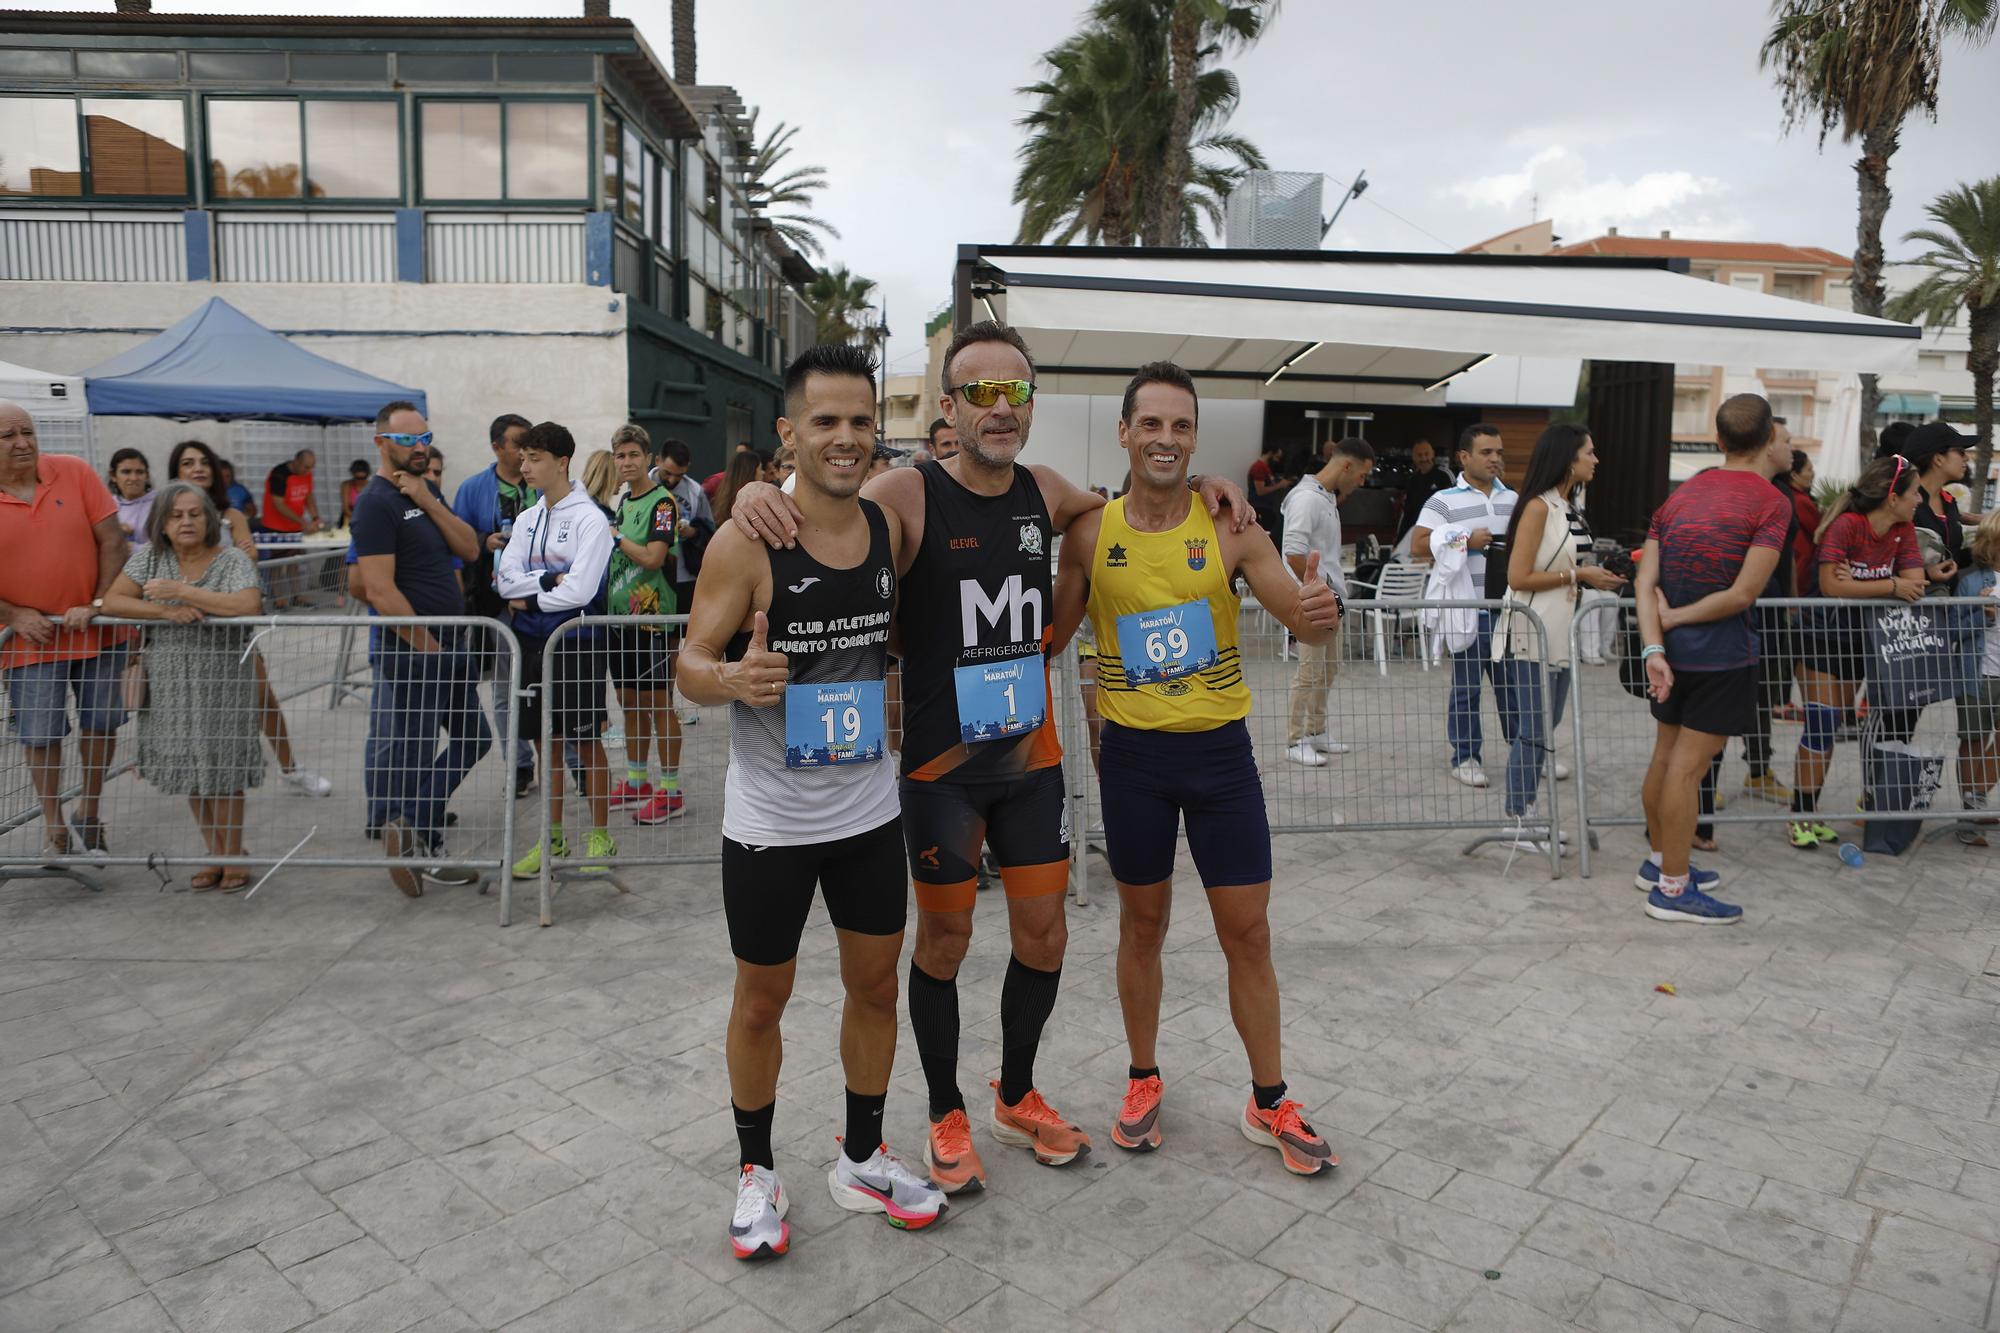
column 1001, row 699
column 1157, row 646
column 833, row 724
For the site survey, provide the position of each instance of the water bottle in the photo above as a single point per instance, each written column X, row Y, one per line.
column 1850, row 856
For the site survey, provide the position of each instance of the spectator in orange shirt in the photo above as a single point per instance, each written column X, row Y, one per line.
column 61, row 545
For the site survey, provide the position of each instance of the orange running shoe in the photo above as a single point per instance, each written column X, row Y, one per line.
column 1138, row 1125
column 949, row 1154
column 1033, row 1123
column 1284, row 1127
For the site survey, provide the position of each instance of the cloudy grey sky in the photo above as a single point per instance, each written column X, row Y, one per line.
column 1464, row 113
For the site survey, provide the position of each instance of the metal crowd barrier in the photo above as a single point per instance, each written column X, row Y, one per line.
column 1903, row 748
column 214, row 725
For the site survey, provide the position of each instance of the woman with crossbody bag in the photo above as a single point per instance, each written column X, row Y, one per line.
column 1545, row 538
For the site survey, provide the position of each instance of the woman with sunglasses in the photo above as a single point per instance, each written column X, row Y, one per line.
column 1867, row 552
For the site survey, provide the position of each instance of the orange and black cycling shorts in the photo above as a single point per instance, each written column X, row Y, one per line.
column 1024, row 818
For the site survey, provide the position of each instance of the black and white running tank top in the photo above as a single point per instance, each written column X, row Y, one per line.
column 815, row 768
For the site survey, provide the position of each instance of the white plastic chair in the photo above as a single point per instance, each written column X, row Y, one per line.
column 1399, row 582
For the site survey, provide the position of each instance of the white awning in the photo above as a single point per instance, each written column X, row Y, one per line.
column 1390, row 328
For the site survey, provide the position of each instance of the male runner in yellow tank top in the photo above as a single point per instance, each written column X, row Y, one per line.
column 1155, row 574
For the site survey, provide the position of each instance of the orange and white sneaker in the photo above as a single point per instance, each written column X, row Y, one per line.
column 1033, row 1123
column 948, row 1152
column 1138, row 1126
column 1284, row 1127
column 758, row 1229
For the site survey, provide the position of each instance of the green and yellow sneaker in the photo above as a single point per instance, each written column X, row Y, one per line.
column 600, row 848
column 531, row 864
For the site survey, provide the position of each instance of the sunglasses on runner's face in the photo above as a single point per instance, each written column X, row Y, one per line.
column 409, row 441
column 985, row 393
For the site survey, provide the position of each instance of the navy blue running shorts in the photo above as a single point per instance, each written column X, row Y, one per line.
column 1153, row 781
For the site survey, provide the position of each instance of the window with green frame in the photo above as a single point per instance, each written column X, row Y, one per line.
column 93, row 147
column 514, row 150
column 304, row 148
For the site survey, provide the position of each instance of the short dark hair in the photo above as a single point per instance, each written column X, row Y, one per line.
column 1743, row 423
column 1890, row 442
column 382, row 416
column 1270, row 447
column 1478, row 430
column 1158, row 372
column 503, row 423
column 1800, row 461
column 825, row 359
column 985, row 331
column 936, row 426
column 677, row 451
column 1356, row 448
column 549, row 437
column 765, row 457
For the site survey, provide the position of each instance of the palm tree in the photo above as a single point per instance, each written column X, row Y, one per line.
column 1964, row 264
column 1196, row 30
column 764, row 188
column 1095, row 161
column 1866, row 66
column 842, row 299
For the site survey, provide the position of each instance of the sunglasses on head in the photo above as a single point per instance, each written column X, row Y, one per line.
column 1897, row 475
column 985, row 393
column 409, row 441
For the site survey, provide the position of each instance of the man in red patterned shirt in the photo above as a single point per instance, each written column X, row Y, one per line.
column 1710, row 551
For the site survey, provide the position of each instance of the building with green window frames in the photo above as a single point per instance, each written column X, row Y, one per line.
column 522, row 216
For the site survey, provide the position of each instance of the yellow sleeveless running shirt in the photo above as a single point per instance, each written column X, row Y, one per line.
column 1165, row 619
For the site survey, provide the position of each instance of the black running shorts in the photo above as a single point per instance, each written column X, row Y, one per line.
column 767, row 892
column 1153, row 781
column 1025, row 819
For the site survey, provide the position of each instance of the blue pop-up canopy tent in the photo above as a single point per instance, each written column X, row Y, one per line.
column 219, row 364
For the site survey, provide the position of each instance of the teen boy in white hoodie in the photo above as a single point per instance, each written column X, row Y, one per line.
column 553, row 570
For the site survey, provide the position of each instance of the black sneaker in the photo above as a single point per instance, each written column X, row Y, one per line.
column 399, row 843
column 452, row 876
column 89, row 835
column 524, row 782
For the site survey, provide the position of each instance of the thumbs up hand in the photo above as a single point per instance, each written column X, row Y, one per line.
column 759, row 678
column 1318, row 606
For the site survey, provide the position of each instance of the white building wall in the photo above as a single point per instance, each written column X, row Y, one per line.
column 548, row 352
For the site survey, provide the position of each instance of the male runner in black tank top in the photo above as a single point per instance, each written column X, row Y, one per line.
column 978, row 768
column 805, row 808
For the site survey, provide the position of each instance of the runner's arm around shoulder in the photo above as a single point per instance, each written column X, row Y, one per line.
column 1073, row 565
column 1066, row 500
column 1308, row 606
column 731, row 594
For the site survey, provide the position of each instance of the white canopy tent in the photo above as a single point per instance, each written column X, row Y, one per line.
column 57, row 403
column 1386, row 328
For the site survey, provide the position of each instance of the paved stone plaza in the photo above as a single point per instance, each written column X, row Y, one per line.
column 329, row 1107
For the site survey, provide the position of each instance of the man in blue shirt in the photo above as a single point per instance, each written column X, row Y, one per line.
column 405, row 541
column 489, row 501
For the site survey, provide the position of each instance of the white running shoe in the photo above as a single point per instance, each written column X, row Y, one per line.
column 759, row 1230
column 882, row 1184
column 1326, row 744
column 1561, row 770
column 308, row 783
column 1469, row 773
column 1302, row 753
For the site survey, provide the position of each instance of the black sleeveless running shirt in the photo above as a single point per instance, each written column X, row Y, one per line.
column 979, row 592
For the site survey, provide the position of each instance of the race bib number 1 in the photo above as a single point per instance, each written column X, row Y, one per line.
column 1157, row 646
column 1001, row 699
column 833, row 724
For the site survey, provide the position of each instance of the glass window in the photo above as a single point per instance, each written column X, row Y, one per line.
column 632, row 200
column 650, row 174
column 38, row 149
column 548, row 150
column 138, row 146
column 609, row 147
column 352, row 150
column 237, row 66
column 128, row 65
column 22, row 64
column 547, row 69
column 253, row 149
column 340, row 67
column 430, row 68
column 461, row 150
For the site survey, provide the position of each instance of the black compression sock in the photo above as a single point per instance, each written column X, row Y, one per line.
column 753, row 1134
column 1027, row 998
column 1136, row 1072
column 1804, row 802
column 1268, row 1098
column 934, row 1023
column 864, row 1125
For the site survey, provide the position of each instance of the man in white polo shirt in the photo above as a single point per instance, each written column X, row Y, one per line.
column 1476, row 511
column 1312, row 524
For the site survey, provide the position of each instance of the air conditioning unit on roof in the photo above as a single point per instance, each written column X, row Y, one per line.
column 1275, row 210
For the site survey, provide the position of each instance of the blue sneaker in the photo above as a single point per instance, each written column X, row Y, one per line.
column 1692, row 906
column 1648, row 877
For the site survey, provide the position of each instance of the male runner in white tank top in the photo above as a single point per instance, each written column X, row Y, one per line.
column 797, row 641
